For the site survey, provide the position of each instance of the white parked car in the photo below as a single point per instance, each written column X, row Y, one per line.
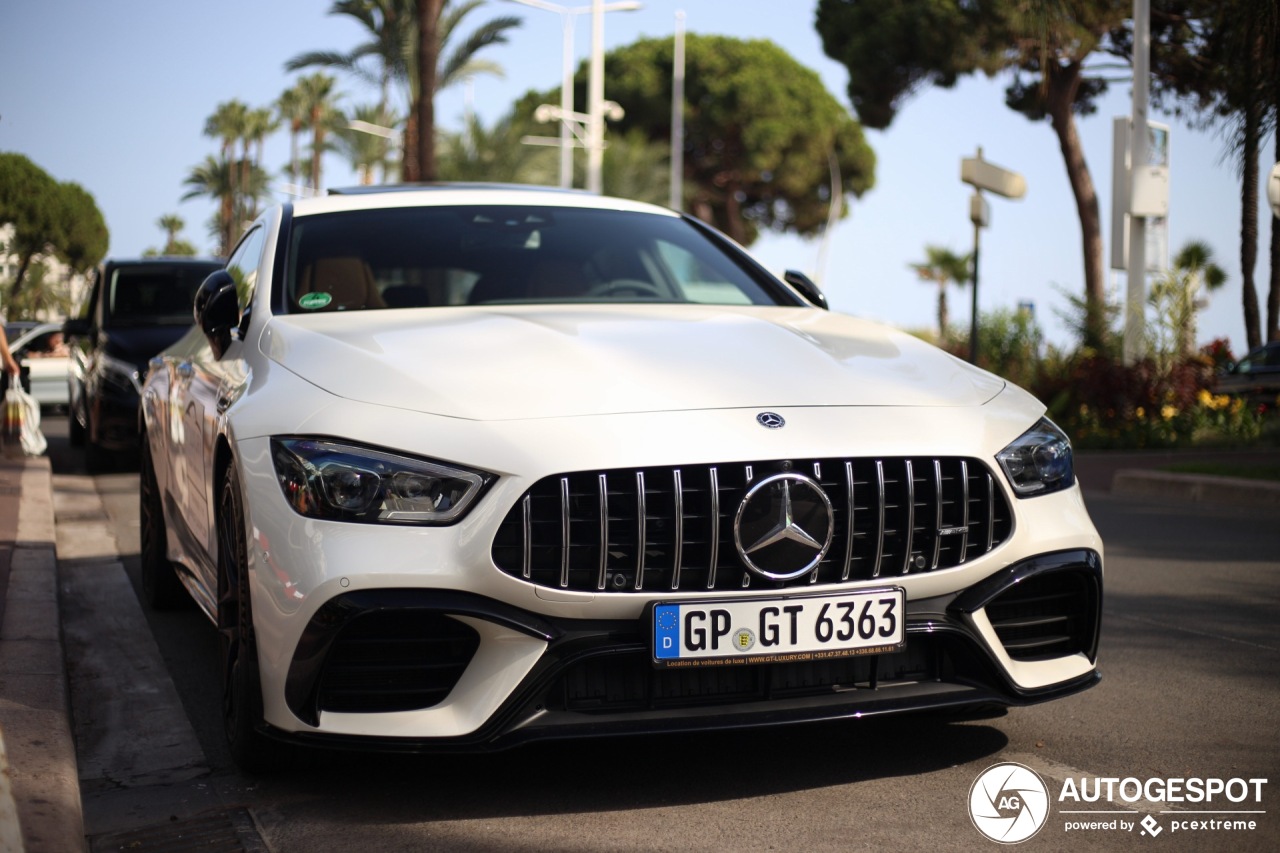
column 464, row 467
column 45, row 359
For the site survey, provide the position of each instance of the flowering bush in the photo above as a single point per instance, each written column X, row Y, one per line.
column 1104, row 404
column 1218, row 351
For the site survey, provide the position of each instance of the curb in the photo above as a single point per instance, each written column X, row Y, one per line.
column 1198, row 488
column 40, row 775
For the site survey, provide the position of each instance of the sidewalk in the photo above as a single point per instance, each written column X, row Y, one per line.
column 39, row 785
column 1140, row 473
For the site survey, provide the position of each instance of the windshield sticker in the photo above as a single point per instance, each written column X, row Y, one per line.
column 314, row 301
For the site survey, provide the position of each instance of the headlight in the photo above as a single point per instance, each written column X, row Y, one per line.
column 344, row 482
column 1039, row 461
column 120, row 373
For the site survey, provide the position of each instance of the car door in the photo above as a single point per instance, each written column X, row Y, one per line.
column 82, row 333
column 199, row 393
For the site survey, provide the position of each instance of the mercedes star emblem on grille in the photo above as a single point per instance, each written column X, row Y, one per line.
column 770, row 420
column 784, row 526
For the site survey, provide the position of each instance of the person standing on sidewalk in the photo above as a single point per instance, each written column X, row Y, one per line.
column 11, row 366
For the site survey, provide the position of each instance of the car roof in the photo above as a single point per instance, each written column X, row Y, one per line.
column 454, row 194
column 163, row 260
column 34, row 332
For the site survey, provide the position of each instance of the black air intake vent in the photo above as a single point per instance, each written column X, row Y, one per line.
column 395, row 660
column 1046, row 616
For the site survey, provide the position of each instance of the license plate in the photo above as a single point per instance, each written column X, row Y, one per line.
column 775, row 630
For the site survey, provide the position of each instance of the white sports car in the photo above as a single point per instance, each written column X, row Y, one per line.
column 462, row 467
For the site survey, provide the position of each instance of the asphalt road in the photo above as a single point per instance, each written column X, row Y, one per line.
column 1191, row 690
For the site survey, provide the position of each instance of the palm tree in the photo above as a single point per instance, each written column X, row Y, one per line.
column 390, row 55
column 1177, row 295
column 366, row 151
column 1244, row 88
column 227, row 124
column 391, row 26
column 943, row 267
column 171, row 224
column 291, row 109
column 214, row 179
column 258, row 124
column 319, row 102
column 494, row 153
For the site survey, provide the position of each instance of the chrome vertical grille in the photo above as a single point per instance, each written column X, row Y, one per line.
column 656, row 529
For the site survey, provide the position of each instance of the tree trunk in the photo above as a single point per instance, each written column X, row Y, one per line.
column 1249, row 222
column 317, row 150
column 243, row 212
column 942, row 313
column 733, row 214
column 24, row 263
column 1063, row 85
column 428, row 58
column 295, row 173
column 228, row 220
column 409, row 156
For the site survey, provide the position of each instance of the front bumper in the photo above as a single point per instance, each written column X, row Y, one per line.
column 1026, row 634
column 522, row 660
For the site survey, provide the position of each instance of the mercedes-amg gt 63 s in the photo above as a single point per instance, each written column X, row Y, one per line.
column 460, row 467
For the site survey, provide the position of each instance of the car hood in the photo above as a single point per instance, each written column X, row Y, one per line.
column 138, row 344
column 539, row 361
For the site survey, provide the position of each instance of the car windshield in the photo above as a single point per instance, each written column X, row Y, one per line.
column 473, row 255
column 153, row 295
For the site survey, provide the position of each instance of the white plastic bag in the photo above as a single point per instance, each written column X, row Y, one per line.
column 22, row 422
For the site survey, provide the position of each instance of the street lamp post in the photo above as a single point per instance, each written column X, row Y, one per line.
column 676, row 194
column 981, row 175
column 593, row 120
column 1136, row 287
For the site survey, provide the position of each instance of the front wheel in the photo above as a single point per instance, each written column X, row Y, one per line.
column 75, row 429
column 97, row 459
column 242, row 713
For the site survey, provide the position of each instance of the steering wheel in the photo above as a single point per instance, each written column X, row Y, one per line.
column 634, row 285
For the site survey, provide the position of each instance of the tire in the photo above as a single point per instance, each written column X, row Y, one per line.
column 75, row 430
column 161, row 589
column 97, row 459
column 242, row 715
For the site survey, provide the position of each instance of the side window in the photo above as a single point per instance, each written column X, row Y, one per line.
column 243, row 265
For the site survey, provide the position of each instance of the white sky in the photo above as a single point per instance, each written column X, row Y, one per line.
column 114, row 96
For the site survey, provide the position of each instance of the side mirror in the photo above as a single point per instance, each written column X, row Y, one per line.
column 217, row 310
column 807, row 288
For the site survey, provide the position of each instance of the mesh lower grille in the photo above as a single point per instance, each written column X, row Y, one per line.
column 1046, row 616
column 395, row 661
column 634, row 530
column 629, row 682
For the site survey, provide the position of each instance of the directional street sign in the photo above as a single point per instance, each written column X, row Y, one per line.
column 988, row 176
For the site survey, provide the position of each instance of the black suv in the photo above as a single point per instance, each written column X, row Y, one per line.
column 135, row 309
